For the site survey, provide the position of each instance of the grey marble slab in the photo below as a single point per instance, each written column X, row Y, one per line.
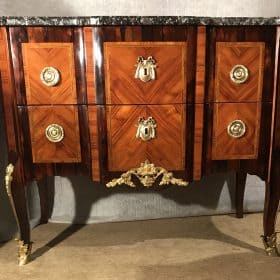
column 136, row 20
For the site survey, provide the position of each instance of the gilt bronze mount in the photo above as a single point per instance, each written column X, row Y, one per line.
column 24, row 249
column 147, row 174
column 145, row 69
column 270, row 244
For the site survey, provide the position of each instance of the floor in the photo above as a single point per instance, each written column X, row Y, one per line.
column 217, row 247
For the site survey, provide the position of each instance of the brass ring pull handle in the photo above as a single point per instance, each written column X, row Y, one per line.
column 239, row 74
column 236, row 129
column 54, row 133
column 146, row 129
column 50, row 76
column 145, row 69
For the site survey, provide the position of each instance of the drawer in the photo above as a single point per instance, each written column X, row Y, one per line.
column 145, row 72
column 236, row 131
column 54, row 134
column 49, row 73
column 128, row 136
column 239, row 71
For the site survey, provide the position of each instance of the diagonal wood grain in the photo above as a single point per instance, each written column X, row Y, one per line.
column 43, row 151
column 123, row 88
column 229, row 54
column 125, row 151
column 226, row 147
column 168, row 149
column 36, row 56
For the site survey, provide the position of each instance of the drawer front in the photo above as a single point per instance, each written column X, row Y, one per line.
column 54, row 134
column 131, row 79
column 239, row 71
column 166, row 149
column 49, row 73
column 236, row 131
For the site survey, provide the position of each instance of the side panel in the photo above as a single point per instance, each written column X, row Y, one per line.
column 251, row 101
column 7, row 90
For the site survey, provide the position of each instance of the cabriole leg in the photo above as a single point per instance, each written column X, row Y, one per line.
column 17, row 195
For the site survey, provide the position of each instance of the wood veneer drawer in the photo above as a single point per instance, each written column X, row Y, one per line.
column 236, row 131
column 167, row 149
column 49, row 73
column 239, row 71
column 122, row 86
column 54, row 132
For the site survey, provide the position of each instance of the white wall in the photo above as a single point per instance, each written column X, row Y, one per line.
column 78, row 198
column 142, row 7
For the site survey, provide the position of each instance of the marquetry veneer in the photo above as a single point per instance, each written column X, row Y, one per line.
column 140, row 105
column 35, row 57
column 167, row 149
column 43, row 151
column 123, row 88
column 229, row 54
column 227, row 147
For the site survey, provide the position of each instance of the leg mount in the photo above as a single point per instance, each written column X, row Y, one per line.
column 24, row 252
column 270, row 244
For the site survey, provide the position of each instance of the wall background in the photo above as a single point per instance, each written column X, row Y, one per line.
column 78, row 199
column 141, row 7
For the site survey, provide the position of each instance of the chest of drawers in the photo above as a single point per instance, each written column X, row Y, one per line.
column 145, row 105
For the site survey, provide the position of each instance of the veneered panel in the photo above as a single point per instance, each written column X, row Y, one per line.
column 44, row 151
column 125, row 151
column 120, row 65
column 168, row 148
column 198, row 141
column 89, row 54
column 226, row 147
column 93, row 127
column 7, row 89
column 199, row 100
column 230, row 54
column 37, row 56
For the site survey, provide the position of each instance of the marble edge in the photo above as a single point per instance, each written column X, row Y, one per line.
column 134, row 20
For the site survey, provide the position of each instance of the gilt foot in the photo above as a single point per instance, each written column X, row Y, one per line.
column 24, row 252
column 270, row 244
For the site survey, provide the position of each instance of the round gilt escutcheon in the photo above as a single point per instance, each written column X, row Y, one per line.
column 54, row 133
column 239, row 74
column 50, row 76
column 236, row 129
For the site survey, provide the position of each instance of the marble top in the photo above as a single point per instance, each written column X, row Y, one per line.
column 134, row 20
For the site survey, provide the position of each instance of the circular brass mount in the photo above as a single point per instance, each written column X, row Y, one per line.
column 239, row 74
column 55, row 133
column 50, row 76
column 236, row 129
